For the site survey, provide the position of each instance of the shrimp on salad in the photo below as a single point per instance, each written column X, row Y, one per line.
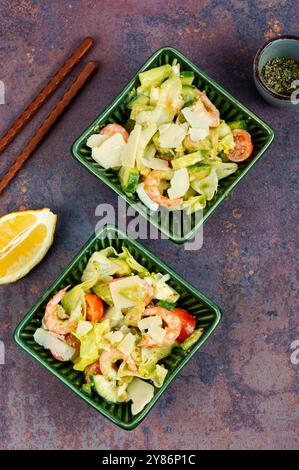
column 151, row 187
column 172, row 331
column 52, row 322
column 93, row 327
column 108, row 358
column 171, row 125
column 209, row 107
column 112, row 129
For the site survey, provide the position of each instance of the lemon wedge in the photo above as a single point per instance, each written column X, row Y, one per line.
column 25, row 238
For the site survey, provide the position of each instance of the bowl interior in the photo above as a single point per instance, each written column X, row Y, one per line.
column 206, row 312
column 284, row 47
column 230, row 110
column 279, row 48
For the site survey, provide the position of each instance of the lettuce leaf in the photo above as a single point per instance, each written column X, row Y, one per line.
column 194, row 203
column 100, row 266
column 225, row 138
column 207, row 186
column 162, row 291
column 91, row 345
column 134, row 265
column 192, row 339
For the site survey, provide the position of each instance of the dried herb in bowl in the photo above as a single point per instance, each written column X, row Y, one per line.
column 279, row 73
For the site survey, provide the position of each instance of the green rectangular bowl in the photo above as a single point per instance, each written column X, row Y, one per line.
column 230, row 110
column 207, row 314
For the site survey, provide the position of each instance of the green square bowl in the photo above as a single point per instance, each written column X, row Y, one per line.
column 230, row 110
column 206, row 312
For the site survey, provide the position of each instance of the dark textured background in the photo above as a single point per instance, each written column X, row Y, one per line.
column 240, row 390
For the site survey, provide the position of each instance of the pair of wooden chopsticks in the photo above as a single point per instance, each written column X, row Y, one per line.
column 37, row 103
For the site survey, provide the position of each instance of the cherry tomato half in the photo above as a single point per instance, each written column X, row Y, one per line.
column 94, row 308
column 188, row 323
column 243, row 146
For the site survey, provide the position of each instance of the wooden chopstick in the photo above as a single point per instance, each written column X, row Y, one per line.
column 44, row 94
column 62, row 104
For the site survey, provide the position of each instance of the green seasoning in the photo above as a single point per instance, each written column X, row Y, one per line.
column 279, row 74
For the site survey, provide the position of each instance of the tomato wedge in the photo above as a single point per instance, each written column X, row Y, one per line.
column 243, row 146
column 94, row 308
column 188, row 323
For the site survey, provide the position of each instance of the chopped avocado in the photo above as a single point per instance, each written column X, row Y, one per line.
column 141, row 103
column 191, row 340
column 189, row 160
column 193, row 146
column 187, row 77
column 86, row 389
column 154, row 77
column 124, row 268
column 241, row 124
column 106, row 388
column 190, row 193
column 198, row 172
column 129, row 178
column 138, row 100
column 103, row 291
column 188, row 94
column 224, row 169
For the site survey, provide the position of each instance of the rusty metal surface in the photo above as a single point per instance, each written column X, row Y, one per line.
column 241, row 390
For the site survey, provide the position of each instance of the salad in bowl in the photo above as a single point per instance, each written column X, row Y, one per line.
column 174, row 148
column 116, row 326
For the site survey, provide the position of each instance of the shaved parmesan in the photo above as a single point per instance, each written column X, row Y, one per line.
column 129, row 152
column 164, row 128
column 146, row 135
column 84, row 327
column 140, row 393
column 171, row 137
column 152, row 205
column 119, row 300
column 148, row 322
column 114, row 315
column 179, row 184
column 127, row 345
column 51, row 341
column 114, row 336
column 95, row 140
column 198, row 134
column 108, row 155
column 155, row 163
column 154, row 95
column 198, row 119
column 157, row 333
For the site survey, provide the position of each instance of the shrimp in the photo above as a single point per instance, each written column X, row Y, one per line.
column 151, row 187
column 71, row 341
column 112, row 129
column 209, row 107
column 150, row 292
column 92, row 369
column 173, row 328
column 51, row 320
column 108, row 358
